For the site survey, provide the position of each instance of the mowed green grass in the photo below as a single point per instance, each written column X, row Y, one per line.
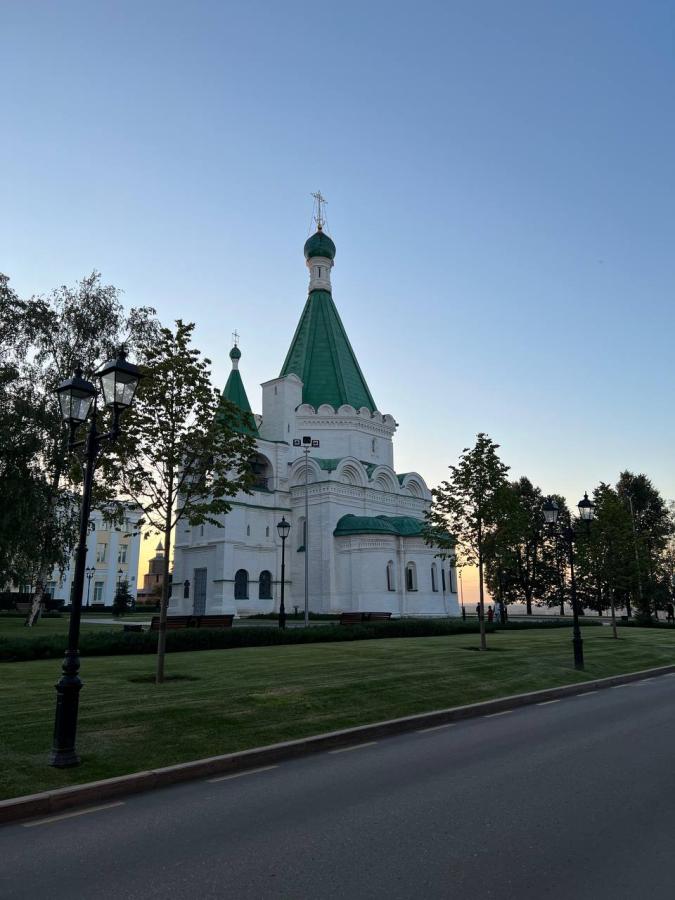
column 13, row 626
column 237, row 699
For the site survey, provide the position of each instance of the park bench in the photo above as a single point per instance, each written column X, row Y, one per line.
column 214, row 621
column 351, row 618
column 377, row 616
column 174, row 622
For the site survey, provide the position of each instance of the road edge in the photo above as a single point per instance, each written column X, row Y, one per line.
column 56, row 801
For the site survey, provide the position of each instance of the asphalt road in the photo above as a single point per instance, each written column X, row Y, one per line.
column 570, row 799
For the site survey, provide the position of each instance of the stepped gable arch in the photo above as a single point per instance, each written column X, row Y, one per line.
column 383, row 478
column 352, row 471
column 413, row 484
column 297, row 472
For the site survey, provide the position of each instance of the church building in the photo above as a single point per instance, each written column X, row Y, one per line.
column 325, row 462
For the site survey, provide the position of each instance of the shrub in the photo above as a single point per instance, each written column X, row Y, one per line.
column 113, row 643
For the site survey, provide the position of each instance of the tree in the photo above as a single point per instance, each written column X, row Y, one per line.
column 41, row 341
column 122, row 600
column 467, row 509
column 182, row 453
column 652, row 528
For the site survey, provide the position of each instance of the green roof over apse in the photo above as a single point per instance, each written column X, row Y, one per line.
column 322, row 357
column 235, row 392
column 404, row 526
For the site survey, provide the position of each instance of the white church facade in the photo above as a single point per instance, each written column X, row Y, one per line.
column 361, row 540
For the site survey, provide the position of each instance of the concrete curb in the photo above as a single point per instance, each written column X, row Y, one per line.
column 95, row 792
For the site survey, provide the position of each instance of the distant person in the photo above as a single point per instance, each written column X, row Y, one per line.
column 505, row 615
column 498, row 613
column 491, row 614
column 670, row 613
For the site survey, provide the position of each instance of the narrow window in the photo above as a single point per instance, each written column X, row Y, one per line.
column 443, row 578
column 434, row 586
column 267, row 531
column 390, row 576
column 265, row 586
column 101, row 553
column 411, row 577
column 248, row 531
column 98, row 592
column 241, row 585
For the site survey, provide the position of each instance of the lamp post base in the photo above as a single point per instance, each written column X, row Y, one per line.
column 65, row 723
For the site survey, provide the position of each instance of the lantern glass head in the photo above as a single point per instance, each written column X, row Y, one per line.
column 283, row 528
column 586, row 508
column 76, row 396
column 119, row 380
column 551, row 511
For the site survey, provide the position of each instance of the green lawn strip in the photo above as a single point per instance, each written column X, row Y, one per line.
column 260, row 695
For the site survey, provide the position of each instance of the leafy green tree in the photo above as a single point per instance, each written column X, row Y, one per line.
column 182, row 453
column 652, row 527
column 467, row 509
column 41, row 342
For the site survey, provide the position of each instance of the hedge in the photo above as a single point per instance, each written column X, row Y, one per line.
column 119, row 643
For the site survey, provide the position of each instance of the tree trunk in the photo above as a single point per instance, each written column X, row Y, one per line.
column 528, row 602
column 164, row 604
column 481, row 602
column 613, row 608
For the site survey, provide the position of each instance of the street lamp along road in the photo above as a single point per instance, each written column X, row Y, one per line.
column 551, row 512
column 78, row 399
column 283, row 528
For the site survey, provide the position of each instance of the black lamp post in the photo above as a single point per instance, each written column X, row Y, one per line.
column 77, row 398
column 90, row 571
column 283, row 528
column 551, row 512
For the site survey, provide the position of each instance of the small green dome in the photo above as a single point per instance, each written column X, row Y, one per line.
column 319, row 244
column 235, row 353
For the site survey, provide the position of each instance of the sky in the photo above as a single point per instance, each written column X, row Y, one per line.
column 500, row 190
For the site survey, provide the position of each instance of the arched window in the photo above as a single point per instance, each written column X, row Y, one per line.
column 411, row 577
column 267, row 531
column 248, row 531
column 434, row 577
column 241, row 585
column 302, row 534
column 443, row 578
column 265, row 586
column 391, row 583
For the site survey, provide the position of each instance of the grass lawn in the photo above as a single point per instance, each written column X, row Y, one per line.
column 232, row 700
column 13, row 626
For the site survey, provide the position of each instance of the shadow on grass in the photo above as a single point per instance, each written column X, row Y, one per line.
column 150, row 678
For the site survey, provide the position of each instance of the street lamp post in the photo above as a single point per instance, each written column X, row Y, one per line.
column 283, row 528
column 568, row 534
column 77, row 398
column 90, row 571
column 306, row 443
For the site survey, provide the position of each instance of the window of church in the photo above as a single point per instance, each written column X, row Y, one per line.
column 443, row 578
column 434, row 581
column 267, row 531
column 391, row 586
column 411, row 577
column 201, row 531
column 241, row 585
column 265, row 586
column 372, row 446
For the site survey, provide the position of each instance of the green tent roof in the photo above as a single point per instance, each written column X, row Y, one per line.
column 235, row 392
column 322, row 357
column 405, row 526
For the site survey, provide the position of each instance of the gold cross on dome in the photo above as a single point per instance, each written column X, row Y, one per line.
column 235, row 338
column 319, row 217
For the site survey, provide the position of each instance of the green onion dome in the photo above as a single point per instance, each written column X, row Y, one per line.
column 319, row 244
column 235, row 353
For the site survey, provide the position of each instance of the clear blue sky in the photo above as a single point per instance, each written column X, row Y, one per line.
column 500, row 186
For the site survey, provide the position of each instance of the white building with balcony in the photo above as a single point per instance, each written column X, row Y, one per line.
column 363, row 538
